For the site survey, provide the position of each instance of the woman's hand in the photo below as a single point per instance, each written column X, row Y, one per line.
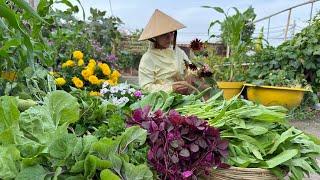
column 181, row 88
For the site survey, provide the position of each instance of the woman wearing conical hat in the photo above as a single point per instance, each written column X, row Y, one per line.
column 163, row 63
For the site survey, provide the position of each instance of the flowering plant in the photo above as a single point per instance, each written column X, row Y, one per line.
column 121, row 94
column 89, row 76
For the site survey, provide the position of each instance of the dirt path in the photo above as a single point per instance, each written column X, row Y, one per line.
column 311, row 125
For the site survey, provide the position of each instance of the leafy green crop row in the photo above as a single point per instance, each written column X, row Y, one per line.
column 36, row 144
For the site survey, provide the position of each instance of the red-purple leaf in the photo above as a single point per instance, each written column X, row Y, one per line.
column 184, row 131
column 145, row 125
column 160, row 153
column 184, row 153
column 154, row 136
column 187, row 174
column 174, row 144
column 154, row 126
column 223, row 144
column 202, row 143
column 162, row 126
column 175, row 159
column 194, row 147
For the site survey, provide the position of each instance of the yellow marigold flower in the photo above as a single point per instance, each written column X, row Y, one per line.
column 94, row 93
column 77, row 55
column 80, row 62
column 68, row 63
column 86, row 73
column 92, row 61
column 105, row 69
column 91, row 66
column 111, row 82
column 115, row 74
column 60, row 81
column 77, row 82
column 93, row 79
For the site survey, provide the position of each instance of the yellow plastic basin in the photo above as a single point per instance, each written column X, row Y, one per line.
column 272, row 95
column 230, row 89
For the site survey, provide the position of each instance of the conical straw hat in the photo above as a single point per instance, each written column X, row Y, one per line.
column 159, row 24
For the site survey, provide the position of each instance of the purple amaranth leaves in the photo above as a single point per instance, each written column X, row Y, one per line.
column 181, row 147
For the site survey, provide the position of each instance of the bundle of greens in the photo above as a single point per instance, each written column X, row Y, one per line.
column 259, row 136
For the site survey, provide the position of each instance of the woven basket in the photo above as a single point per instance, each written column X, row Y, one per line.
column 236, row 173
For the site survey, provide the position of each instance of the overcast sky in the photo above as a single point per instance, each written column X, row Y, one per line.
column 136, row 13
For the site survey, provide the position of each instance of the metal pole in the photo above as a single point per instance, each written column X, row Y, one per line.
column 311, row 12
column 288, row 23
column 110, row 8
column 293, row 28
column 258, row 20
column 268, row 29
column 31, row 2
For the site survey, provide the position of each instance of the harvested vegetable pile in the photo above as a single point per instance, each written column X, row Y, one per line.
column 259, row 136
column 181, row 147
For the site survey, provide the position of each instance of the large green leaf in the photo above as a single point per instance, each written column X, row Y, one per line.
column 83, row 146
column 62, row 147
column 302, row 163
column 116, row 163
column 24, row 5
column 283, row 137
column 36, row 122
column 9, row 15
column 92, row 163
column 132, row 134
column 281, row 158
column 108, row 175
column 78, row 167
column 10, row 43
column 40, row 123
column 8, row 157
column 218, row 9
column 63, row 107
column 8, row 136
column 36, row 172
column 105, row 146
column 140, row 172
column 263, row 114
column 9, row 114
column 245, row 138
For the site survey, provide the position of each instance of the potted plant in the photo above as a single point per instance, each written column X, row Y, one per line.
column 280, row 74
column 278, row 87
column 236, row 32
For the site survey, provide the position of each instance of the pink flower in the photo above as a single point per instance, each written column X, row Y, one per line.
column 137, row 94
